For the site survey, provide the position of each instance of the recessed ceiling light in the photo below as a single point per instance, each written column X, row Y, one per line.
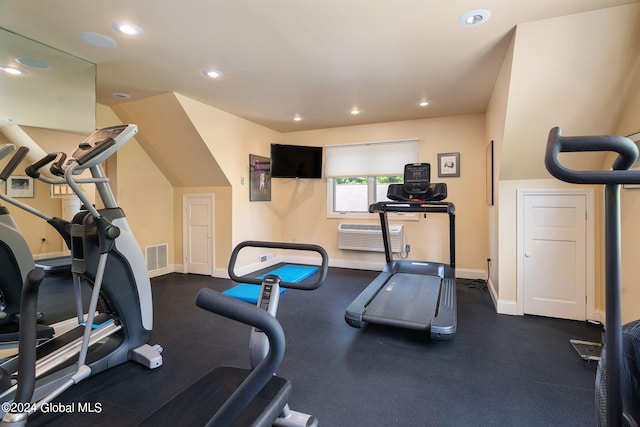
column 214, row 74
column 127, row 28
column 424, row 103
column 121, row 95
column 13, row 71
column 98, row 40
column 355, row 111
column 474, row 18
column 297, row 118
column 32, row 62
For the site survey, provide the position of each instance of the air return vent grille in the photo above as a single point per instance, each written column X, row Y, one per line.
column 157, row 257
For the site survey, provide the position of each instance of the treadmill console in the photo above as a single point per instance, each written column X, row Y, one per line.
column 417, row 177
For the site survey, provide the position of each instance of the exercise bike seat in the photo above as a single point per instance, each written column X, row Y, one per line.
column 227, row 395
column 214, row 389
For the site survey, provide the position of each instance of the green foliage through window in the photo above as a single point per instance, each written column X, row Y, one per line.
column 364, row 180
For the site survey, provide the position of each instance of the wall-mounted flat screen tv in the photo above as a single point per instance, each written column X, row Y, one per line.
column 295, row 161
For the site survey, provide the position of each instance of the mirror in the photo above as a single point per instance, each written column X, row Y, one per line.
column 56, row 90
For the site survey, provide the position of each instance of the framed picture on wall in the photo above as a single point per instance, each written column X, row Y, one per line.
column 20, row 186
column 489, row 166
column 259, row 178
column 448, row 165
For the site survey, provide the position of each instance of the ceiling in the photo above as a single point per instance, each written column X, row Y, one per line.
column 286, row 57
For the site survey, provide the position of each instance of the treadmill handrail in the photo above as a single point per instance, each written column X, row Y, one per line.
column 324, row 266
column 426, row 207
column 382, row 208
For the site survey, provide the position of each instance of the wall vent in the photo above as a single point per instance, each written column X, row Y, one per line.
column 157, row 257
column 368, row 237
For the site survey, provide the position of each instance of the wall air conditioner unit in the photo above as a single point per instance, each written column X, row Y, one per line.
column 368, row 237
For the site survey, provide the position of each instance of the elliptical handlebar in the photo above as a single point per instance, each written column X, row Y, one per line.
column 619, row 173
column 33, row 170
column 13, row 163
column 280, row 245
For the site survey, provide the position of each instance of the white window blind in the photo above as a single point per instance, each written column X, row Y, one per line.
column 370, row 159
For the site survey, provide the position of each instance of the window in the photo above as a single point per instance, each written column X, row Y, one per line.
column 359, row 174
column 355, row 194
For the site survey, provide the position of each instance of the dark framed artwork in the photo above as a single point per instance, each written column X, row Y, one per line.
column 448, row 165
column 259, row 178
column 489, row 165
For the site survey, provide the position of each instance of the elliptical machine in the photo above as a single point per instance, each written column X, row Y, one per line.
column 105, row 256
column 15, row 263
column 618, row 376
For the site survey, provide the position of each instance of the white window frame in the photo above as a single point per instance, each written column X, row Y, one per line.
column 380, row 170
column 409, row 216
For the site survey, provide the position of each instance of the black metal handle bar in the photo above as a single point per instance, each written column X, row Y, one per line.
column 213, row 301
column 279, row 245
column 427, row 207
column 619, row 173
column 33, row 170
column 13, row 163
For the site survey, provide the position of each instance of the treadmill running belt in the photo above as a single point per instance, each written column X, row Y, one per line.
column 407, row 301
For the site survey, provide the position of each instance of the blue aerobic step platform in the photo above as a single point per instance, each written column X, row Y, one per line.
column 287, row 273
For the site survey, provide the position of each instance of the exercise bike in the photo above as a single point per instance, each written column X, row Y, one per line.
column 105, row 256
column 245, row 397
column 618, row 375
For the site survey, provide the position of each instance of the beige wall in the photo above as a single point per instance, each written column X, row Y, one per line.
column 231, row 139
column 495, row 124
column 568, row 75
column 302, row 203
column 142, row 191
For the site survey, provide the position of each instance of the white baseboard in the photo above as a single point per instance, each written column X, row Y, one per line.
column 502, row 306
column 163, row 271
column 46, row 255
column 507, row 307
column 463, row 273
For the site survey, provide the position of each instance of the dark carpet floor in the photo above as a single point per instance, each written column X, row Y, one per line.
column 498, row 371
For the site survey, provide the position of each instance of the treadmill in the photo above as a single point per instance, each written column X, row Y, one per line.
column 416, row 295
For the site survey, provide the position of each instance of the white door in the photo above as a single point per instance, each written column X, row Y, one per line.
column 198, row 233
column 555, row 255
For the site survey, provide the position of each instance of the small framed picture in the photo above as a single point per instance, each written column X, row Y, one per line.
column 448, row 165
column 259, row 178
column 20, row 186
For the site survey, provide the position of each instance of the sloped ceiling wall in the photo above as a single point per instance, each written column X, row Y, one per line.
column 573, row 72
column 168, row 136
